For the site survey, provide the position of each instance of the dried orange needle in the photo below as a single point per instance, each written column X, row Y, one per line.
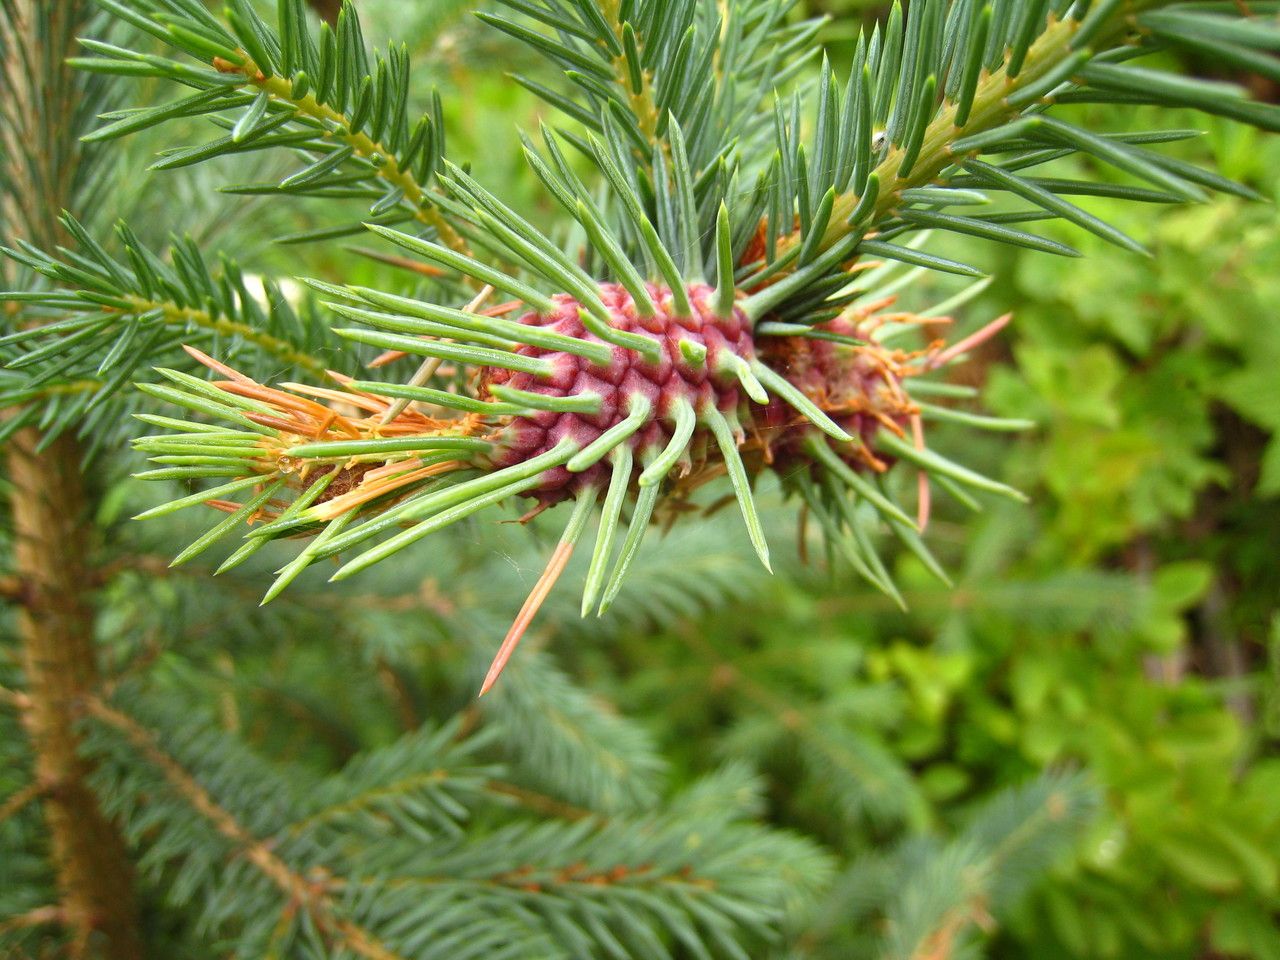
column 555, row 566
column 923, row 500
column 559, row 559
column 971, row 341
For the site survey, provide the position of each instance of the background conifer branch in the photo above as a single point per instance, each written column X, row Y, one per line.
column 300, row 891
column 321, row 94
column 383, row 160
column 154, row 303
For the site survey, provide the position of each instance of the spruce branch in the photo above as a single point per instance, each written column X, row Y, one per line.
column 641, row 69
column 191, row 319
column 691, row 874
column 996, row 97
column 627, row 68
column 941, row 895
column 402, row 180
column 569, row 744
column 311, row 897
column 538, row 803
column 610, row 887
column 321, row 94
column 107, row 316
column 994, row 103
column 860, row 773
column 1014, row 839
column 420, row 785
column 376, row 801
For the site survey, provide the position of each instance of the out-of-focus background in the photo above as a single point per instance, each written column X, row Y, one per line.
column 1124, row 626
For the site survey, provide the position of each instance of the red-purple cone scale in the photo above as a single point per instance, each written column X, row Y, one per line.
column 861, row 388
column 673, row 379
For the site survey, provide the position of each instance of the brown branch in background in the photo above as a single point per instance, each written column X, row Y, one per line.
column 17, row 802
column 398, row 692
column 14, row 699
column 539, row 803
column 42, row 167
column 39, row 917
column 302, row 893
column 56, row 626
column 404, row 263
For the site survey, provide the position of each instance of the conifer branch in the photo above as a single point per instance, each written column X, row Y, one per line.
column 104, row 306
column 310, row 896
column 376, row 800
column 873, row 779
column 637, row 69
column 990, row 110
column 1030, row 825
column 640, row 100
column 192, row 318
column 986, row 90
column 421, row 783
column 318, row 94
column 379, row 155
column 571, row 745
column 690, row 868
column 539, row 803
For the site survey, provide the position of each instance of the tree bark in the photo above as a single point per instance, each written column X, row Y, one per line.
column 42, row 112
column 56, row 627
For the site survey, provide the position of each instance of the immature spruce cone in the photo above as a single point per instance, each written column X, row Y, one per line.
column 608, row 405
column 674, row 378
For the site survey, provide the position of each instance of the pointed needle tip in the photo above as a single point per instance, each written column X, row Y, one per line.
column 500, row 661
column 555, row 566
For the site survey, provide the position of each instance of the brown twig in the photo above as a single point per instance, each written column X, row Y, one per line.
column 39, row 917
column 301, row 893
column 539, row 802
column 18, row 801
